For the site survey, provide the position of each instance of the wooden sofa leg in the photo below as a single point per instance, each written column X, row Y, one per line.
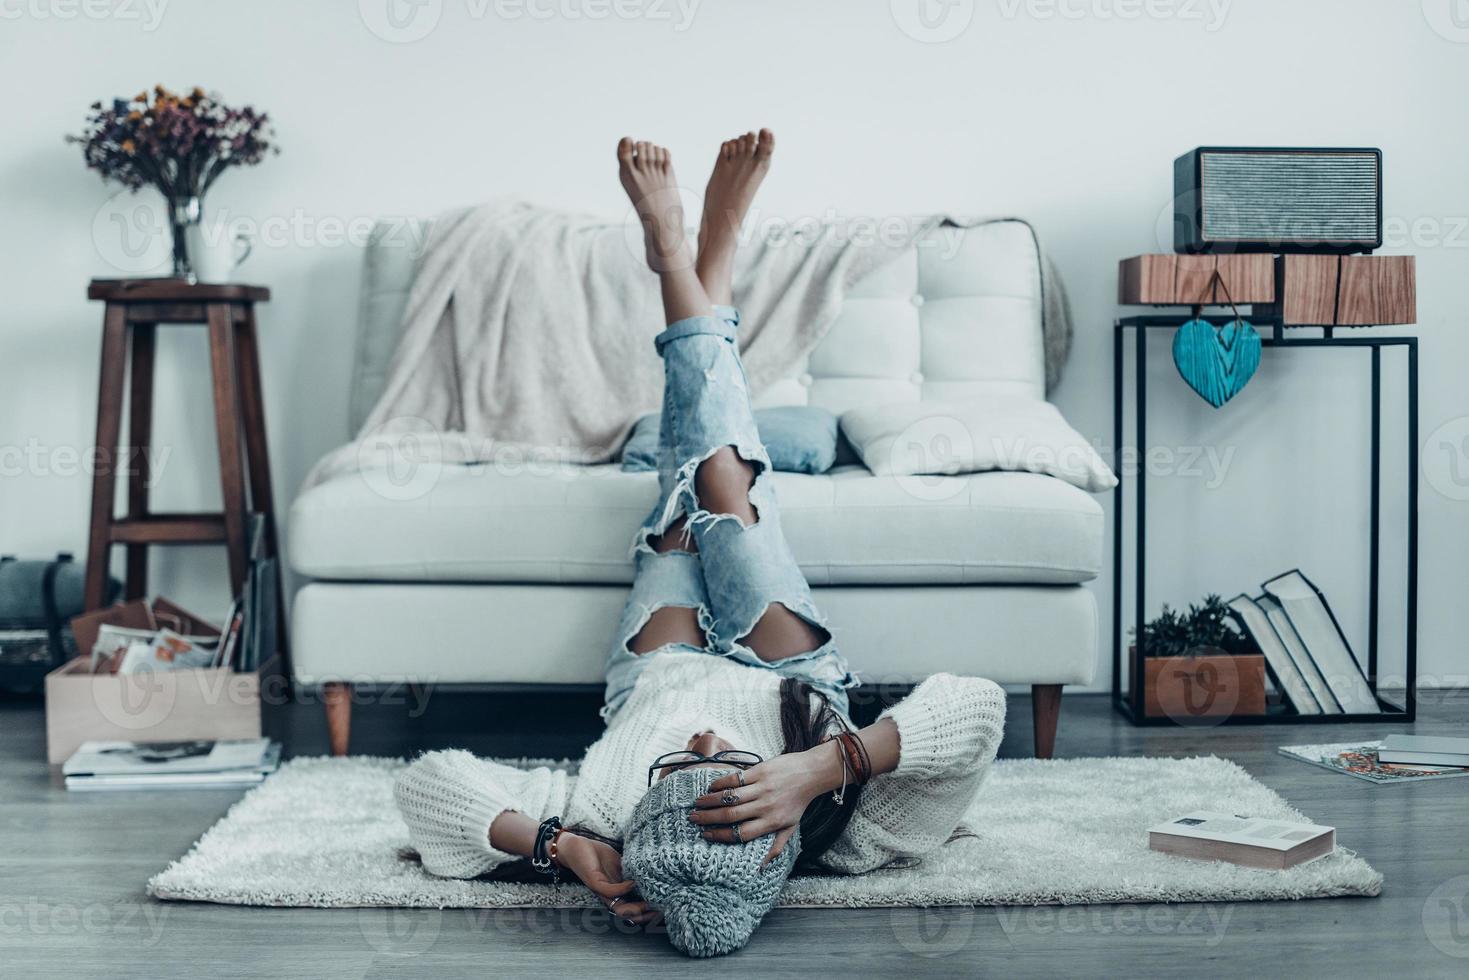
column 337, row 697
column 1045, row 708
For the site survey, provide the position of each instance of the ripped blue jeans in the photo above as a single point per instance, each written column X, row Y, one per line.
column 738, row 571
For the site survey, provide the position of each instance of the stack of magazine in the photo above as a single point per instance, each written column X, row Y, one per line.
column 1293, row 626
column 1395, row 759
column 171, row 765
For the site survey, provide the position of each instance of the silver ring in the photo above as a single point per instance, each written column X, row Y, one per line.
column 730, row 798
column 613, row 904
column 736, row 828
column 740, row 774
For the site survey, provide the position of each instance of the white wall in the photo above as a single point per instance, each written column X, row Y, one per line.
column 1069, row 112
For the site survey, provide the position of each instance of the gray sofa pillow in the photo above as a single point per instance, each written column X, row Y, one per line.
column 799, row 438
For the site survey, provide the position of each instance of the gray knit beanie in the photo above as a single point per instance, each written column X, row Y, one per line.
column 712, row 896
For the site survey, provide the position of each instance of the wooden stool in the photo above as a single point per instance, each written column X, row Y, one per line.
column 135, row 308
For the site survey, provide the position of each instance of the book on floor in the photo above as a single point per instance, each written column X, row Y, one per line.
column 1360, row 760
column 1321, row 635
column 1255, row 842
column 1432, row 750
column 1288, row 676
column 171, row 765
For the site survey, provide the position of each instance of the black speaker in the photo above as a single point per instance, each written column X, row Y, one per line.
column 1277, row 199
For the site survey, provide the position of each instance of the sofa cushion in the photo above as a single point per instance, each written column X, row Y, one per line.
column 798, row 439
column 988, row 432
column 551, row 523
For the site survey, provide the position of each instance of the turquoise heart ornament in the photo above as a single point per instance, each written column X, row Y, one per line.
column 1216, row 362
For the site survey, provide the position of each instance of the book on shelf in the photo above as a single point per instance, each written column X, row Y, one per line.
column 1430, row 750
column 1321, row 637
column 1280, row 621
column 1288, row 676
column 1255, row 842
column 1290, row 639
column 171, row 765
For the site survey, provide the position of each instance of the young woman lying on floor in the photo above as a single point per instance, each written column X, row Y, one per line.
column 728, row 759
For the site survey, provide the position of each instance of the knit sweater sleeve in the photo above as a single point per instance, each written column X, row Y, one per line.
column 449, row 799
column 949, row 729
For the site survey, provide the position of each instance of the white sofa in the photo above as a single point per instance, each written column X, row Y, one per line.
column 489, row 575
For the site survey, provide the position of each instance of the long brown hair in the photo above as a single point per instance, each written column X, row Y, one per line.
column 801, row 728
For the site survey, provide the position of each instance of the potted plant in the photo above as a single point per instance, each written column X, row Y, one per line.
column 179, row 144
column 1198, row 665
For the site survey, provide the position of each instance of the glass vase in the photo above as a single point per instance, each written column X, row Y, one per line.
column 183, row 215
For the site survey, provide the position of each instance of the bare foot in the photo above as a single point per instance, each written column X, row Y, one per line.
column 738, row 170
column 646, row 172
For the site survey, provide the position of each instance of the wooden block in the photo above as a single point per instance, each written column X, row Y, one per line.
column 1248, row 278
column 1193, row 278
column 1348, row 290
column 1188, row 280
column 1377, row 289
column 1145, row 279
column 1309, row 288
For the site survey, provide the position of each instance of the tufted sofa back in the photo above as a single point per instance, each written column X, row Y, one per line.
column 959, row 315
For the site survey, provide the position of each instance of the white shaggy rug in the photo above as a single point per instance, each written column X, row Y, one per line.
column 325, row 833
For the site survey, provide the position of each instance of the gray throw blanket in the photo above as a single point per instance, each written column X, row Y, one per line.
column 528, row 333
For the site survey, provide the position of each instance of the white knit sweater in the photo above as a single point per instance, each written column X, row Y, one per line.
column 949, row 729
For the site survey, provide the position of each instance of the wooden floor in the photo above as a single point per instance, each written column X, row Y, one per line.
column 72, row 870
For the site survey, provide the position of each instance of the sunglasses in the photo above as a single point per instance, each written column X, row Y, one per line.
column 673, row 761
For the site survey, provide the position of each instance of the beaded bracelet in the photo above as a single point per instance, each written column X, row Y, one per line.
column 543, row 852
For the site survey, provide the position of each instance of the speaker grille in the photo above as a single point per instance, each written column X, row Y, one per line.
column 1300, row 198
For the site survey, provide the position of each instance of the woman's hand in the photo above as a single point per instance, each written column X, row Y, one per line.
column 772, row 800
column 599, row 867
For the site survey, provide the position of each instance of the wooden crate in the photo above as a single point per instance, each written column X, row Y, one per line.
column 1198, row 688
column 151, row 706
